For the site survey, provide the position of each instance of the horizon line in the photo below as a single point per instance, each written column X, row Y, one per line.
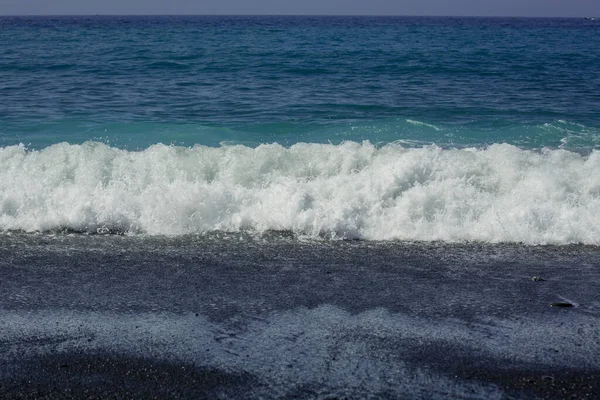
column 300, row 15
column 289, row 15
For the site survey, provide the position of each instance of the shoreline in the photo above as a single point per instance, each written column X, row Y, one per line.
column 279, row 318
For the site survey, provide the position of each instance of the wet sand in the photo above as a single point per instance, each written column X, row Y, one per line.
column 240, row 317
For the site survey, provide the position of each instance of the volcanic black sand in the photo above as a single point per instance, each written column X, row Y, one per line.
column 236, row 316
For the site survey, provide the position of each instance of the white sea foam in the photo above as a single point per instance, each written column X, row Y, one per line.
column 352, row 190
column 573, row 135
column 419, row 123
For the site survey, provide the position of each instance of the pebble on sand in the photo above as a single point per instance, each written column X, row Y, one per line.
column 561, row 305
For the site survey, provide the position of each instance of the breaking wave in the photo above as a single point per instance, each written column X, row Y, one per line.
column 353, row 190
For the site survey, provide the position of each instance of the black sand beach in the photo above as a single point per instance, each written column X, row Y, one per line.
column 232, row 316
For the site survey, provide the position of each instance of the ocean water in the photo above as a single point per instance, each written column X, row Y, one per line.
column 371, row 128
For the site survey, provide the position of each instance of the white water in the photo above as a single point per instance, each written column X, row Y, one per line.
column 352, row 190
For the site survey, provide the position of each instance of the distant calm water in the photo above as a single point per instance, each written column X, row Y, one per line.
column 398, row 128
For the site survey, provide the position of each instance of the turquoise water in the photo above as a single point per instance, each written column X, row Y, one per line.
column 351, row 127
column 137, row 81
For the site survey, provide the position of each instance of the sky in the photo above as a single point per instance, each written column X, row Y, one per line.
column 526, row 8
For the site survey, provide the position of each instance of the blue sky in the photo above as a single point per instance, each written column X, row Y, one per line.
column 541, row 8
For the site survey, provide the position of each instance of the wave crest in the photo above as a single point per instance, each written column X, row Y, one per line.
column 352, row 190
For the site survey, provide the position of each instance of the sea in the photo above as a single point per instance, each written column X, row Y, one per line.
column 412, row 129
column 299, row 207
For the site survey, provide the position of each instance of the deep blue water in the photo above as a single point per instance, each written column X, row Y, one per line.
column 356, row 127
column 136, row 81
